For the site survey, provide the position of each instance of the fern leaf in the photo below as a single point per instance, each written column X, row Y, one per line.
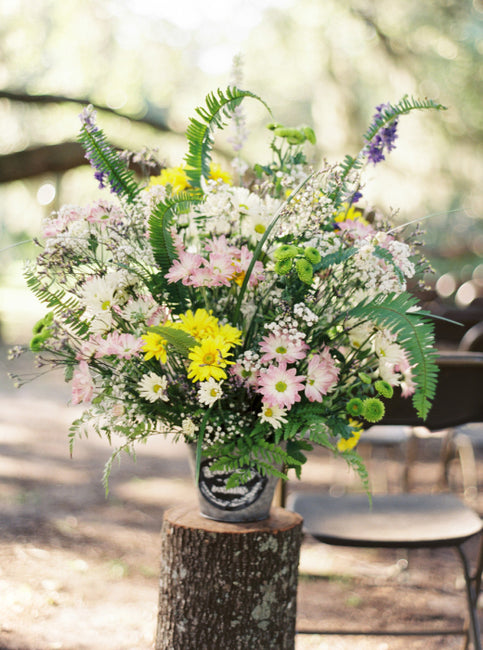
column 387, row 114
column 160, row 222
column 415, row 333
column 339, row 257
column 60, row 303
column 200, row 131
column 107, row 162
column 392, row 111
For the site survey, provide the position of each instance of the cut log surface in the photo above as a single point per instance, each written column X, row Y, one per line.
column 228, row 586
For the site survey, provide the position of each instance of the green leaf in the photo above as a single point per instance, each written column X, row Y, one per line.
column 180, row 340
column 200, row 130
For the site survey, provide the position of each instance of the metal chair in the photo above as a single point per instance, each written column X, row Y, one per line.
column 460, row 442
column 409, row 521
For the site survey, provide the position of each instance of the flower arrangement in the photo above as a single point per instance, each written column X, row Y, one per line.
column 254, row 313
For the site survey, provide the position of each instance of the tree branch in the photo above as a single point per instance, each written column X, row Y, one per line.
column 45, row 159
column 154, row 116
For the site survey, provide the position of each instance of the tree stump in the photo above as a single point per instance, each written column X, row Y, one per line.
column 230, row 586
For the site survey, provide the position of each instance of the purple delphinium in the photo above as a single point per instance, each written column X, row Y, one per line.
column 88, row 120
column 384, row 138
column 356, row 197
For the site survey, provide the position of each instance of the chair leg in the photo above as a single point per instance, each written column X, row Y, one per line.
column 466, row 456
column 447, row 454
column 473, row 584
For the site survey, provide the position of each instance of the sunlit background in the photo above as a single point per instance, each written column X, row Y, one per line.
column 326, row 64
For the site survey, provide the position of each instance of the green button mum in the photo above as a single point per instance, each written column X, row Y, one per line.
column 312, row 255
column 384, row 388
column 287, row 251
column 373, row 409
column 355, row 406
column 304, row 270
column 283, row 266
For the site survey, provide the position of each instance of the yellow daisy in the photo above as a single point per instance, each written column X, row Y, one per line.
column 351, row 214
column 230, row 334
column 155, row 346
column 350, row 443
column 208, row 359
column 176, row 177
column 200, row 324
column 218, row 174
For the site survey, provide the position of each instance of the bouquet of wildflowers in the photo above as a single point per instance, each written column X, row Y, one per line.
column 255, row 312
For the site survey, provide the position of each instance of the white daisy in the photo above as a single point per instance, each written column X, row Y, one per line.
column 274, row 415
column 189, row 428
column 209, row 391
column 153, row 387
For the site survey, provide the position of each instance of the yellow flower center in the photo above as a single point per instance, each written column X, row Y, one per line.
column 281, row 386
column 209, row 358
column 281, row 349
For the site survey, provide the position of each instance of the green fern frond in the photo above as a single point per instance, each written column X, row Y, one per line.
column 387, row 114
column 392, row 111
column 339, row 257
column 56, row 299
column 384, row 254
column 200, row 131
column 353, row 459
column 415, row 333
column 107, row 161
column 348, row 164
column 160, row 223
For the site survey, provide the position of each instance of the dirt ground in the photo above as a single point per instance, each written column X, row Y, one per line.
column 78, row 571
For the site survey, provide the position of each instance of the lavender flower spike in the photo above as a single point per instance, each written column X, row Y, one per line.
column 88, row 120
column 88, row 117
column 384, row 138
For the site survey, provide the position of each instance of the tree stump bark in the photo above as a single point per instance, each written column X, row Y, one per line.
column 229, row 586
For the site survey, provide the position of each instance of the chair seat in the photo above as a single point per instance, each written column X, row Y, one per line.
column 386, row 435
column 394, row 521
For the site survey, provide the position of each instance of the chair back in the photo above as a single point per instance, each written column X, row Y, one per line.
column 458, row 399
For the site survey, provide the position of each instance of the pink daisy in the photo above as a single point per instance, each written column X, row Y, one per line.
column 124, row 345
column 356, row 229
column 408, row 387
column 279, row 386
column 242, row 262
column 221, row 246
column 184, row 267
column 322, row 375
column 82, row 384
column 90, row 348
column 220, row 268
column 282, row 347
